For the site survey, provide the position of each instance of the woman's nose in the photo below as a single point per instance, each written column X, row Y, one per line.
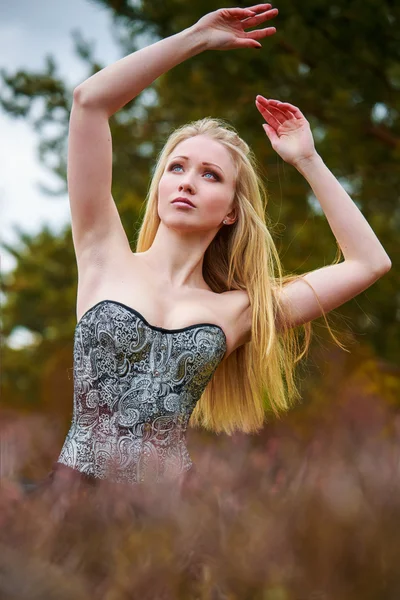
column 186, row 186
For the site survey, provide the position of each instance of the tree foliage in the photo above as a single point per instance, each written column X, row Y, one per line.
column 339, row 62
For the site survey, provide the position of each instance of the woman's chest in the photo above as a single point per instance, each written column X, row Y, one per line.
column 161, row 307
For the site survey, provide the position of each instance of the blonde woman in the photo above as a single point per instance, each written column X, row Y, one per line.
column 199, row 323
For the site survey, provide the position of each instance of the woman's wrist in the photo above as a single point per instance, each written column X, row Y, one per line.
column 197, row 37
column 306, row 164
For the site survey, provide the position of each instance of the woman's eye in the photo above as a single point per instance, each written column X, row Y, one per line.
column 172, row 168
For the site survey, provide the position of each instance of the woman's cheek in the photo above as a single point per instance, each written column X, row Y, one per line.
column 214, row 209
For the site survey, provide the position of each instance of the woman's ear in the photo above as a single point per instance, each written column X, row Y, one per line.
column 231, row 217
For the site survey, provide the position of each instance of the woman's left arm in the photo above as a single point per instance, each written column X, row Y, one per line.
column 354, row 235
column 365, row 258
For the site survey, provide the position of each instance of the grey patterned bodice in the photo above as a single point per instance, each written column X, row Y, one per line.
column 135, row 387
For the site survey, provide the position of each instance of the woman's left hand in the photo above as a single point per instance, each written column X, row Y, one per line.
column 287, row 129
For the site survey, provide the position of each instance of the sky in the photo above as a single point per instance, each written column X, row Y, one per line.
column 28, row 32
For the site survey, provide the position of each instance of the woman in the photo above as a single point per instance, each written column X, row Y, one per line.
column 199, row 322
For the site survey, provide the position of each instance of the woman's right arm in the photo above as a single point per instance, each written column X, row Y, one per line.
column 223, row 29
column 98, row 234
column 97, row 231
column 117, row 84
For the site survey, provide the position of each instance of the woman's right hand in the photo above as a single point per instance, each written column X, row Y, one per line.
column 224, row 29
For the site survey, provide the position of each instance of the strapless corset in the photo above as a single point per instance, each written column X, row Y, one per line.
column 135, row 387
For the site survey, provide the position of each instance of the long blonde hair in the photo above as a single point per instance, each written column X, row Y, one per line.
column 259, row 376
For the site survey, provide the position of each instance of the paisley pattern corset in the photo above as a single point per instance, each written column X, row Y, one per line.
column 135, row 387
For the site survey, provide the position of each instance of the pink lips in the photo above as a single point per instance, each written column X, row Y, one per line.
column 182, row 200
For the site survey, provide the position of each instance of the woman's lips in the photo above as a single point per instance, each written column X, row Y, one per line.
column 182, row 203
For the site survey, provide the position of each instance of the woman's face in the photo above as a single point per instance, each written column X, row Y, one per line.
column 210, row 187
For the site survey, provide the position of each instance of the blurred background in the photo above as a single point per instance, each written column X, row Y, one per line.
column 339, row 62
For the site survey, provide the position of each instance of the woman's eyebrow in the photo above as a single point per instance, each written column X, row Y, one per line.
column 203, row 163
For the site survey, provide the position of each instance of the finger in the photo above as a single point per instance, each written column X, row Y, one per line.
column 275, row 105
column 271, row 133
column 247, row 43
column 257, row 19
column 241, row 13
column 279, row 104
column 259, row 34
column 280, row 116
column 297, row 112
column 269, row 117
column 258, row 7
column 277, row 115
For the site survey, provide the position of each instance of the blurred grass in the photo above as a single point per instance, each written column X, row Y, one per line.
column 289, row 517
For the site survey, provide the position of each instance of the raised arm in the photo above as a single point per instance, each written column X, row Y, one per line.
column 365, row 258
column 117, row 84
column 96, row 227
column 97, row 230
column 223, row 29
